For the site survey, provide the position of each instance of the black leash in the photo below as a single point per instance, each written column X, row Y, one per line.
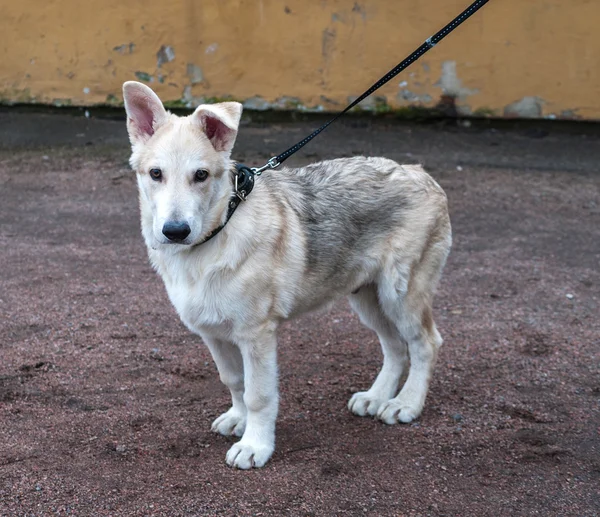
column 244, row 176
column 429, row 43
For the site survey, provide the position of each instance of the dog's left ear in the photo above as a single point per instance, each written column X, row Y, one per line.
column 220, row 123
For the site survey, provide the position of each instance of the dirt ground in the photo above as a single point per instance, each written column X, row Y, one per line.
column 106, row 399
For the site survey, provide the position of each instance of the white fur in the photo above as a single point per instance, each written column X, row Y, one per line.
column 235, row 289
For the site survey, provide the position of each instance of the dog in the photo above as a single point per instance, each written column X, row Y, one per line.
column 365, row 228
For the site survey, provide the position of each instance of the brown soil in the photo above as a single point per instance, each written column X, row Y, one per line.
column 106, row 399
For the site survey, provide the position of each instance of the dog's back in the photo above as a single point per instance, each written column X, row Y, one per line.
column 354, row 214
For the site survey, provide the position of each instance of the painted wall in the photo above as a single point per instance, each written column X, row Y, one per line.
column 513, row 58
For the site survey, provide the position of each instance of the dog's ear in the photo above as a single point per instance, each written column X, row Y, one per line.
column 220, row 123
column 145, row 112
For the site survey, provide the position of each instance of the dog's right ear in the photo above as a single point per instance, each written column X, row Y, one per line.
column 145, row 112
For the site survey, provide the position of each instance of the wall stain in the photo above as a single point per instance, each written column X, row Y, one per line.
column 145, row 77
column 527, row 107
column 452, row 87
column 194, row 72
column 360, row 10
column 165, row 54
column 328, row 43
column 126, row 48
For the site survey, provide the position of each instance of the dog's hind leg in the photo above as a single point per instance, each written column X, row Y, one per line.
column 407, row 299
column 366, row 303
column 229, row 362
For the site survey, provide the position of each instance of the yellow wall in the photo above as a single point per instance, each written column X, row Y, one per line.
column 514, row 57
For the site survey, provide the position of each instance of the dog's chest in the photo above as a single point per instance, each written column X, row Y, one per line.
column 201, row 298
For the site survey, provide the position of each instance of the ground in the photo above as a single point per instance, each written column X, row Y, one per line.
column 106, row 399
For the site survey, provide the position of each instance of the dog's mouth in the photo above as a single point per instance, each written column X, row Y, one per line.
column 175, row 244
column 184, row 242
column 164, row 244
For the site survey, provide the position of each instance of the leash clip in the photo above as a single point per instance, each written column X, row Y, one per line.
column 271, row 164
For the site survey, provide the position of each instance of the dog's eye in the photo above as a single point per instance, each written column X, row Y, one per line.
column 200, row 175
column 156, row 174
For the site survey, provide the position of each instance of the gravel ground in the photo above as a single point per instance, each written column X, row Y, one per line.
column 106, row 399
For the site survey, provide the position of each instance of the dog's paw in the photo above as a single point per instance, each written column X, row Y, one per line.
column 231, row 423
column 249, row 454
column 397, row 410
column 365, row 403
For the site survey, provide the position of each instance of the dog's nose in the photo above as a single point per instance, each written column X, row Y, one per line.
column 176, row 231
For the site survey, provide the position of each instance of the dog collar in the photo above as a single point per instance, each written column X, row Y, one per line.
column 243, row 183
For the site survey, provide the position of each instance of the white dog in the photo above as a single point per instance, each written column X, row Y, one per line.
column 367, row 228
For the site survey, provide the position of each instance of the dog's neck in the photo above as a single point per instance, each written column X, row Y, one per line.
column 243, row 183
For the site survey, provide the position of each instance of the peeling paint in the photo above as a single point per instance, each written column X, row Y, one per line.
column 256, row 103
column 194, row 72
column 407, row 95
column 286, row 102
column 126, row 48
column 327, row 42
column 61, row 102
column 569, row 114
column 143, row 76
column 360, row 10
column 451, row 84
column 410, row 96
column 484, row 112
column 527, row 107
column 188, row 99
column 373, row 103
column 212, row 48
column 299, row 67
column 165, row 54
column 14, row 96
column 331, row 102
column 452, row 87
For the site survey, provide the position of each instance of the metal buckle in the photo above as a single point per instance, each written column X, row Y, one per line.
column 271, row 164
column 239, row 193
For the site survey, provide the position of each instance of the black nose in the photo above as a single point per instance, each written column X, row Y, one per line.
column 176, row 231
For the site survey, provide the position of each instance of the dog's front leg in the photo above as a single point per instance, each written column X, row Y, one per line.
column 229, row 362
column 261, row 399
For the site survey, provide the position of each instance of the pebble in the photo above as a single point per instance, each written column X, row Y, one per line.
column 570, row 296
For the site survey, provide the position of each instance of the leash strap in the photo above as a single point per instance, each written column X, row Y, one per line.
column 429, row 43
column 244, row 176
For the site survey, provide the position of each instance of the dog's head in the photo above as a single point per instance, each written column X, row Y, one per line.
column 183, row 165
